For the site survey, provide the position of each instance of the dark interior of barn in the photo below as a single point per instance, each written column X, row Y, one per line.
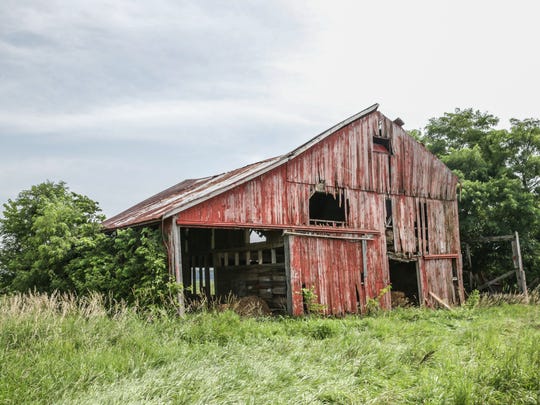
column 403, row 278
column 219, row 263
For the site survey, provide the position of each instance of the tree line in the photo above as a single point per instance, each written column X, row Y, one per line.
column 52, row 239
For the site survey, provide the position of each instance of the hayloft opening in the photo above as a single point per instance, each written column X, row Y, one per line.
column 327, row 209
column 381, row 144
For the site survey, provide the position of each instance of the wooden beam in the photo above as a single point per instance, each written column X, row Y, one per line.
column 518, row 265
column 364, row 268
column 495, row 238
column 440, row 301
column 177, row 255
column 501, row 277
column 286, row 246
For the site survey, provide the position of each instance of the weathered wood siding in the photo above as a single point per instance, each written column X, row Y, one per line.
column 333, row 269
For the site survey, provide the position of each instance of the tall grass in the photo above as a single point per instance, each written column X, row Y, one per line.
column 63, row 349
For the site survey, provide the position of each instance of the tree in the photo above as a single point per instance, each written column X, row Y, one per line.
column 499, row 171
column 39, row 232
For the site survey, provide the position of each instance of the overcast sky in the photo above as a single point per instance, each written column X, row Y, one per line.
column 122, row 99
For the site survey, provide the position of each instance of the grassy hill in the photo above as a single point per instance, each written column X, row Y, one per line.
column 61, row 350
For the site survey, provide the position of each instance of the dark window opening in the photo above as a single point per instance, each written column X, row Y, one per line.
column 388, row 213
column 389, row 230
column 417, row 236
column 325, row 209
column 426, row 226
column 381, row 144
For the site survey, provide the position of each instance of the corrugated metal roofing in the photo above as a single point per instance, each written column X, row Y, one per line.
column 191, row 192
column 183, row 195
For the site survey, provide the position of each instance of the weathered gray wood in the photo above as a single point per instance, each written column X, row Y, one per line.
column 495, row 238
column 440, row 301
column 207, row 277
column 518, row 264
column 273, row 255
column 177, row 255
column 468, row 255
column 501, row 277
column 419, row 282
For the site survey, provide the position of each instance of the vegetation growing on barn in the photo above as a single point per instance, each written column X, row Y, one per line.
column 52, row 240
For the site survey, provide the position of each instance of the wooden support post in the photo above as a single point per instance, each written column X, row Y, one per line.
column 365, row 270
column 518, row 265
column 286, row 242
column 273, row 254
column 177, row 263
column 207, row 289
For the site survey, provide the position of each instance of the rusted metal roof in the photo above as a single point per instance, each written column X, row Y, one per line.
column 184, row 194
column 191, row 192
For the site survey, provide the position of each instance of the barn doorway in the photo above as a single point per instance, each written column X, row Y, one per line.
column 404, row 279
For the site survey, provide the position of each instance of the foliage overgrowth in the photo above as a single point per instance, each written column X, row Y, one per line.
column 52, row 240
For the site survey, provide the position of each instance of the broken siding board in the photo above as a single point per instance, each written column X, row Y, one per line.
column 439, row 274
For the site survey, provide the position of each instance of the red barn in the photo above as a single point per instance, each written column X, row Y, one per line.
column 358, row 207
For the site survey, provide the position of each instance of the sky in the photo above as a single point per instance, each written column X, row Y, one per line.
column 122, row 99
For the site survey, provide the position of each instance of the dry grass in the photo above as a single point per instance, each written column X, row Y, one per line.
column 60, row 305
column 492, row 299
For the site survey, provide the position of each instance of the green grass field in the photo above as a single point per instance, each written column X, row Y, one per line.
column 59, row 350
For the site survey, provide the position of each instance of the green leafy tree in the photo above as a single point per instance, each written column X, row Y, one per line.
column 40, row 231
column 500, row 174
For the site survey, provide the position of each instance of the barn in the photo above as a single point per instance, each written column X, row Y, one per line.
column 358, row 207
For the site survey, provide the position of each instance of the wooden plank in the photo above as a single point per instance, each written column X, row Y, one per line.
column 440, row 301
column 501, row 277
column 288, row 274
column 177, row 254
column 518, row 264
column 495, row 238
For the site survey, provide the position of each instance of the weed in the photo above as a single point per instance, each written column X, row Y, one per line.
column 373, row 305
column 473, row 299
column 311, row 302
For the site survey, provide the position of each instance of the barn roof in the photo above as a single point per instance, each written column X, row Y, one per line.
column 191, row 192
